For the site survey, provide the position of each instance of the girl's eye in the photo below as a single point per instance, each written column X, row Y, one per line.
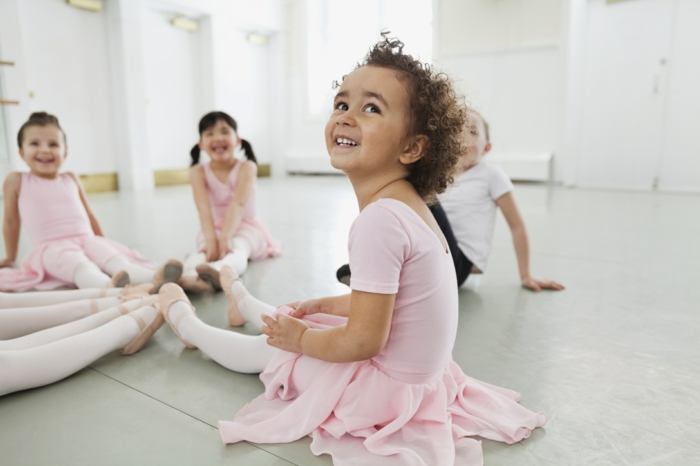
column 371, row 108
column 341, row 106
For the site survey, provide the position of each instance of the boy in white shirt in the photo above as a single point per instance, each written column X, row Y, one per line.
column 471, row 203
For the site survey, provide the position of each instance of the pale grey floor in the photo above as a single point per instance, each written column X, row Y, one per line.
column 614, row 360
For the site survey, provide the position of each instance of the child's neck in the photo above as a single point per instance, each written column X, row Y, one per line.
column 46, row 176
column 226, row 164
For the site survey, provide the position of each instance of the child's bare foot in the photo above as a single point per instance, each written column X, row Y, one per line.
column 210, row 274
column 195, row 285
column 120, row 279
column 169, row 272
column 228, row 278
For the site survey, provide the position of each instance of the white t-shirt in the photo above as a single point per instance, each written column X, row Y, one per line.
column 470, row 205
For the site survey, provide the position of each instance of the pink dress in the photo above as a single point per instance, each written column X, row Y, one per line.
column 60, row 231
column 250, row 228
column 409, row 405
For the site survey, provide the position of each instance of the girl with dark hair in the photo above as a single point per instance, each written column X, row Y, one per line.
column 69, row 246
column 225, row 194
column 369, row 375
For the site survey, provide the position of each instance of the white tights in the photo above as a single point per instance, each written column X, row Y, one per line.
column 43, row 298
column 235, row 351
column 51, row 362
column 89, row 275
column 237, row 260
column 23, row 321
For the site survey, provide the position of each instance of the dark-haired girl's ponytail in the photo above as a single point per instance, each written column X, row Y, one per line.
column 248, row 149
column 194, row 153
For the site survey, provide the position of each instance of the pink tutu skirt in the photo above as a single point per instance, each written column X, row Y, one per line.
column 49, row 265
column 361, row 415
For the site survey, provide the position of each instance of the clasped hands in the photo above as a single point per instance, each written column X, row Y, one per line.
column 285, row 331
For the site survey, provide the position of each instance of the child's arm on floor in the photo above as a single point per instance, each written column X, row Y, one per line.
column 363, row 337
column 522, row 248
column 11, row 222
column 335, row 305
column 206, row 219
column 94, row 224
column 234, row 212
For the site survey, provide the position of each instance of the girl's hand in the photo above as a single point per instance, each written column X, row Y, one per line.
column 310, row 306
column 211, row 250
column 224, row 248
column 539, row 284
column 6, row 263
column 284, row 332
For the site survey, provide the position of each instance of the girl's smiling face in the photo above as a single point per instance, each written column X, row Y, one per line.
column 367, row 130
column 43, row 149
column 219, row 141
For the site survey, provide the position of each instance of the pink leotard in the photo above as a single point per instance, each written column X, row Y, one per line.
column 411, row 404
column 59, row 228
column 220, row 196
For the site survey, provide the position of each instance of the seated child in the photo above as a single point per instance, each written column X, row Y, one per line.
column 69, row 247
column 471, row 203
column 369, row 376
column 225, row 191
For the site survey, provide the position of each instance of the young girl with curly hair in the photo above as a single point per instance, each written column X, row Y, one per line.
column 369, row 375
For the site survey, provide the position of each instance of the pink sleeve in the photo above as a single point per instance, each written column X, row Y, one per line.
column 379, row 246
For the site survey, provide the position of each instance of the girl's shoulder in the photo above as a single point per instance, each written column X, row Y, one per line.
column 247, row 168
column 12, row 182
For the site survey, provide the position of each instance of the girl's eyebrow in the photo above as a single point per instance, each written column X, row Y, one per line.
column 375, row 95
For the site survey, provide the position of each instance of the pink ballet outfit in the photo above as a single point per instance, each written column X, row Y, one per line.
column 60, row 231
column 250, row 228
column 409, row 405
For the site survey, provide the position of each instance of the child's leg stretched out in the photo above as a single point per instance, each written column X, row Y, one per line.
column 241, row 353
column 52, row 362
column 76, row 327
column 44, row 298
column 23, row 321
column 242, row 306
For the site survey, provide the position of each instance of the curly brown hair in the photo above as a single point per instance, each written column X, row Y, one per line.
column 437, row 111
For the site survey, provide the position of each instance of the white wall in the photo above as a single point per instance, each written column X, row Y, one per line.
column 680, row 162
column 66, row 64
column 509, row 60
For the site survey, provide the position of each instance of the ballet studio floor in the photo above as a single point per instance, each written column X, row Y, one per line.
column 614, row 360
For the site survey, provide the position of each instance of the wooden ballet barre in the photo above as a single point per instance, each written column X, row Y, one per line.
column 9, row 102
column 8, row 63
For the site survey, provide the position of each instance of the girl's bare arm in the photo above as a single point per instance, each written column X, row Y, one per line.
column 94, row 224
column 234, row 212
column 521, row 244
column 363, row 337
column 206, row 219
column 11, row 221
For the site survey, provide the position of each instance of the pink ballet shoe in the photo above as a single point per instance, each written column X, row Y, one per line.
column 147, row 330
column 169, row 272
column 195, row 285
column 120, row 279
column 135, row 292
column 208, row 273
column 169, row 294
column 228, row 276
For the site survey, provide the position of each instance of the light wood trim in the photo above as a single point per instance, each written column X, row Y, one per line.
column 179, row 176
column 171, row 177
column 100, row 182
column 7, row 63
column 9, row 102
column 90, row 5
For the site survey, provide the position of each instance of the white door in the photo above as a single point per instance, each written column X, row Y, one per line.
column 627, row 49
column 172, row 89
